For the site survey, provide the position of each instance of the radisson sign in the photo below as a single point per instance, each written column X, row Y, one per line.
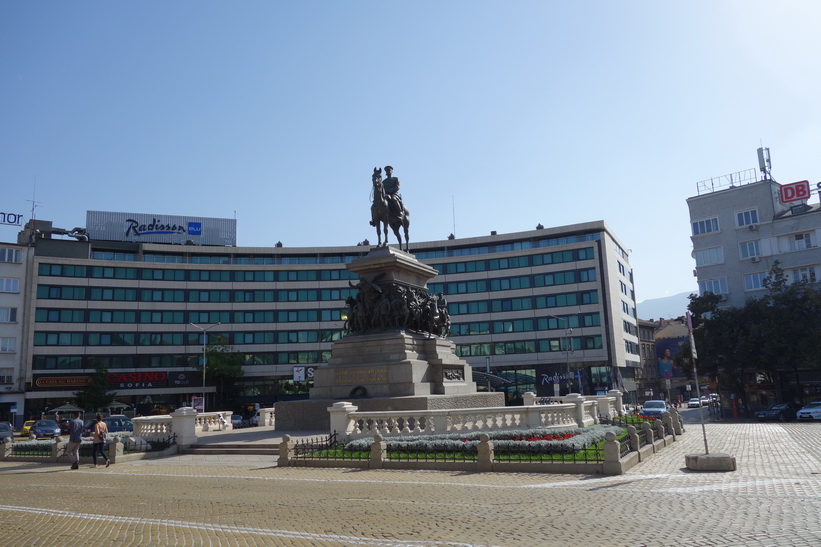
column 153, row 228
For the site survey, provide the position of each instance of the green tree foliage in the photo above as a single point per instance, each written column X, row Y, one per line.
column 772, row 336
column 223, row 368
column 95, row 396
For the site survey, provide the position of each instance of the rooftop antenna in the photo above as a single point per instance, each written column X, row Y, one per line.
column 764, row 164
column 34, row 204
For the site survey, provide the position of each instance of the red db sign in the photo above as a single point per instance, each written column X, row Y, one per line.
column 797, row 191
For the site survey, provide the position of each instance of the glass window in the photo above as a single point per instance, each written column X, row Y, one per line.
column 8, row 345
column 713, row 255
column 716, row 286
column 745, row 218
column 749, row 249
column 10, row 255
column 705, row 226
column 806, row 275
column 754, row 281
column 11, row 285
column 800, row 242
column 8, row 315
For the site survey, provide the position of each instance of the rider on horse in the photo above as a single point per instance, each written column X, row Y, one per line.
column 391, row 185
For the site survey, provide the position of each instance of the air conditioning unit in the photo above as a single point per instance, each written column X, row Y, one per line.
column 753, row 227
column 756, row 259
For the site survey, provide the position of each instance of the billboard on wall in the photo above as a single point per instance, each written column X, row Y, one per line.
column 666, row 349
column 153, row 228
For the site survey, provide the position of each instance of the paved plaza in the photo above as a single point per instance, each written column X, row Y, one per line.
column 774, row 498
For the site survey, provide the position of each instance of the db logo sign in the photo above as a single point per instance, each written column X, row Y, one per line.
column 797, row 191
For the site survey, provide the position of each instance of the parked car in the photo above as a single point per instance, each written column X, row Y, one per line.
column 237, row 422
column 6, row 432
column 705, row 401
column 693, row 403
column 25, row 431
column 654, row 409
column 811, row 411
column 254, row 420
column 44, row 428
column 65, row 426
column 782, row 412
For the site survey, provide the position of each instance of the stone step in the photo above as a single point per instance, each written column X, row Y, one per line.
column 247, row 449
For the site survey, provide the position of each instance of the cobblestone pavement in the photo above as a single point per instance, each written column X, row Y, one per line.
column 773, row 499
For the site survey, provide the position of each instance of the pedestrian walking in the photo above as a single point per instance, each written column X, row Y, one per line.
column 75, row 438
column 100, row 434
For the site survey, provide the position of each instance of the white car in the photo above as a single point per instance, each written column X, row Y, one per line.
column 810, row 412
column 693, row 403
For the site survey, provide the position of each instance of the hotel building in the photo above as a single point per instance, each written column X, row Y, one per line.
column 550, row 310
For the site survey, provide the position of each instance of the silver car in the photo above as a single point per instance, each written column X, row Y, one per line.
column 810, row 412
column 654, row 409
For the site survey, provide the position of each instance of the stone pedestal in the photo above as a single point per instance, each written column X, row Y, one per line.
column 384, row 364
column 392, row 364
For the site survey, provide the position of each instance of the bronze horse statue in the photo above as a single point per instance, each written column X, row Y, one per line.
column 382, row 216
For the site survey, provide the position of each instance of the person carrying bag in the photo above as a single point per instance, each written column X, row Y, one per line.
column 100, row 435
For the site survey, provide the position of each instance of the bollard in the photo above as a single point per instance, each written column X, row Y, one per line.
column 5, row 448
column 286, row 452
column 668, row 421
column 379, row 450
column 634, row 438
column 485, row 459
column 647, row 430
column 115, row 449
column 57, row 449
column 612, row 453
column 659, row 427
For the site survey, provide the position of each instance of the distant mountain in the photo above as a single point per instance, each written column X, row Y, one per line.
column 668, row 307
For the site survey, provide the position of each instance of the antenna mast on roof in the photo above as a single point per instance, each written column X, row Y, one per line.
column 764, row 164
column 34, row 204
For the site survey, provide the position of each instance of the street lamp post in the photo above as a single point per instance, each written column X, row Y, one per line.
column 204, row 330
column 568, row 349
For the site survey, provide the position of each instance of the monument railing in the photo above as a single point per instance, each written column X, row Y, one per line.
column 574, row 410
column 352, row 424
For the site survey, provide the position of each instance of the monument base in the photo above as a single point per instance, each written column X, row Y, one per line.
column 393, row 363
column 312, row 414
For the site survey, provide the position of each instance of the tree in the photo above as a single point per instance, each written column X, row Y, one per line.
column 223, row 368
column 96, row 396
column 767, row 337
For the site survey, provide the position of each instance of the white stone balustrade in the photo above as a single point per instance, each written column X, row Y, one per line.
column 351, row 424
column 153, row 427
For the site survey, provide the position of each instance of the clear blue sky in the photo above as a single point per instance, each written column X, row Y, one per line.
column 511, row 114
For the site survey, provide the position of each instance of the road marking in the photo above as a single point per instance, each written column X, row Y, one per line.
column 199, row 526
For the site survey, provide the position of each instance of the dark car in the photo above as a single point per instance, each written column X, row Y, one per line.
column 45, row 428
column 65, row 426
column 6, row 432
column 782, row 412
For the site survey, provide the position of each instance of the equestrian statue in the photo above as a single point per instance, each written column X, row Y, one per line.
column 387, row 208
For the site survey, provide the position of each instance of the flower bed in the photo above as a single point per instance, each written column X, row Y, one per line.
column 563, row 440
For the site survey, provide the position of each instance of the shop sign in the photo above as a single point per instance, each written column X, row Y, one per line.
column 69, row 381
column 797, row 191
column 11, row 219
column 184, row 379
column 137, row 380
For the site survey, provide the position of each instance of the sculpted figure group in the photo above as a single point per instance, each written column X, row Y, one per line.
column 392, row 306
